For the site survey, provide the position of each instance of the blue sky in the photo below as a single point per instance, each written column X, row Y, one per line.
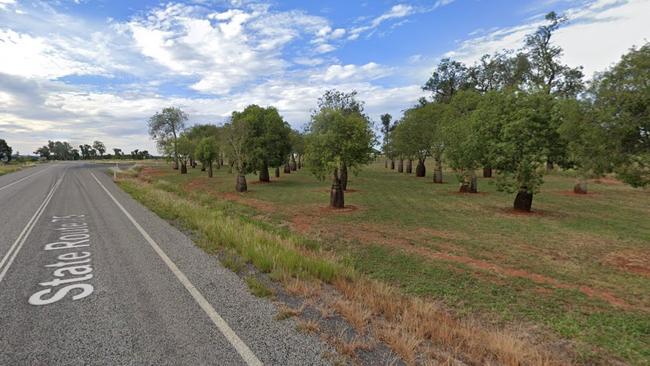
column 86, row 70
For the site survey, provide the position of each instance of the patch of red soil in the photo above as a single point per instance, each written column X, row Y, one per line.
column 512, row 212
column 630, row 261
column 572, row 193
column 152, row 172
column 346, row 209
column 469, row 194
column 608, row 181
column 260, row 205
column 260, row 182
column 513, row 272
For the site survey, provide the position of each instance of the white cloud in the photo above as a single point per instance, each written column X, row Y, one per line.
column 369, row 71
column 397, row 11
column 595, row 37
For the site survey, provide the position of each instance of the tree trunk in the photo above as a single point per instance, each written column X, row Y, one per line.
column 409, row 166
column 400, row 166
column 241, row 183
column 294, row 166
column 386, row 163
column 549, row 166
column 337, row 199
column 277, row 172
column 287, row 169
column 469, row 184
column 580, row 187
column 209, row 169
column 193, row 163
column 420, row 170
column 264, row 173
column 299, row 161
column 175, row 164
column 221, row 160
column 437, row 172
column 524, row 200
column 392, row 164
column 203, row 166
column 344, row 177
column 473, row 186
column 184, row 167
column 487, row 172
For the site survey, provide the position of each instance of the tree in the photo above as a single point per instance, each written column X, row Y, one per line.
column 43, row 152
column 184, row 150
column 412, row 138
column 164, row 127
column 347, row 104
column 449, row 77
column 197, row 132
column 117, row 152
column 297, row 141
column 520, row 149
column 236, row 133
column 336, row 139
column 207, row 151
column 5, row 151
column 622, row 104
column 464, row 143
column 386, row 128
column 588, row 144
column 99, row 146
column 268, row 142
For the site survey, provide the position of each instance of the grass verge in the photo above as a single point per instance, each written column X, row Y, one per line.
column 417, row 330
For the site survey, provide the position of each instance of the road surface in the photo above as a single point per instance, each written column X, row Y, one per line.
column 89, row 276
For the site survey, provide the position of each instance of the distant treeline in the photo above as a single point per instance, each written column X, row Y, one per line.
column 62, row 150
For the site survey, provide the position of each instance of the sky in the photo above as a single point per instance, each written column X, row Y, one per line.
column 81, row 71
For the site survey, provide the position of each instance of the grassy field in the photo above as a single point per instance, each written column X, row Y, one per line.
column 14, row 167
column 577, row 268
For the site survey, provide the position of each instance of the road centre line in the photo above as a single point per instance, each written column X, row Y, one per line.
column 8, row 259
column 244, row 351
column 23, row 178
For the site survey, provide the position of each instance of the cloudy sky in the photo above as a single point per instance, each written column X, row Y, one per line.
column 87, row 70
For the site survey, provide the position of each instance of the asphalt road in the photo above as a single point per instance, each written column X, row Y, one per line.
column 89, row 276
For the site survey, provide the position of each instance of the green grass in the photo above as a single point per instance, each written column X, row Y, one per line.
column 258, row 288
column 570, row 239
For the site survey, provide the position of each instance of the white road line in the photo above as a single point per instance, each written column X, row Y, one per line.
column 246, row 354
column 23, row 178
column 18, row 244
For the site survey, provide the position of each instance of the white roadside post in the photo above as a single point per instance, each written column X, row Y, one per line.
column 115, row 173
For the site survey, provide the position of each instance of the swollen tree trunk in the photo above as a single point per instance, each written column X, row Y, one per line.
column 337, row 199
column 264, row 173
column 392, row 164
column 580, row 187
column 344, row 177
column 400, row 166
column 287, row 169
column 183, row 167
column 175, row 164
column 469, row 184
column 487, row 172
column 241, row 183
column 209, row 169
column 203, row 166
column 192, row 163
column 420, row 170
column 294, row 166
column 299, row 161
column 437, row 172
column 409, row 166
column 386, row 163
column 277, row 172
column 524, row 200
column 549, row 166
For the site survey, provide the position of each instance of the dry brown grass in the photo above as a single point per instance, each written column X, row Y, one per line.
column 308, row 326
column 355, row 313
column 350, row 347
column 412, row 327
column 286, row 312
